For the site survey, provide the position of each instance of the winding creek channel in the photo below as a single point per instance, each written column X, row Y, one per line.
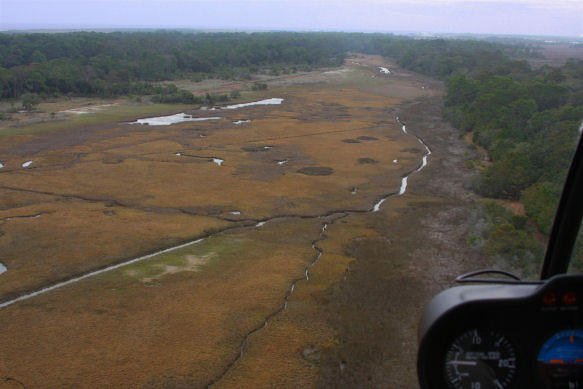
column 327, row 219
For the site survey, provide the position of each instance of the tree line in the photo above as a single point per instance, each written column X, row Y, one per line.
column 110, row 64
column 529, row 121
column 118, row 63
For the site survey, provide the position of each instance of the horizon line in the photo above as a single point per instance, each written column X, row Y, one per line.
column 47, row 28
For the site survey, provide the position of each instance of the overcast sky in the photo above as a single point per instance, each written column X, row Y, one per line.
column 533, row 17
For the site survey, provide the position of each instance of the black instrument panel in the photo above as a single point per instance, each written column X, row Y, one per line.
column 504, row 336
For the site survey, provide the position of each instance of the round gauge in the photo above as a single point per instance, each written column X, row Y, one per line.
column 560, row 360
column 480, row 359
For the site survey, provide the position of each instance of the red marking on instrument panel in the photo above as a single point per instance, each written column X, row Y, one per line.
column 549, row 298
column 570, row 298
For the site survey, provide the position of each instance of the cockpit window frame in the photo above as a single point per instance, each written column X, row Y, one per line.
column 567, row 220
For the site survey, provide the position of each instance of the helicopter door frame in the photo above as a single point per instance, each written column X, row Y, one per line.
column 567, row 220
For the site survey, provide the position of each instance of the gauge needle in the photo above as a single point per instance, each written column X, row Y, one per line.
column 463, row 363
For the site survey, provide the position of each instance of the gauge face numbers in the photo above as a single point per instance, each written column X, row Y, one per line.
column 480, row 359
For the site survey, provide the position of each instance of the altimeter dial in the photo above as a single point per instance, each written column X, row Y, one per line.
column 480, row 359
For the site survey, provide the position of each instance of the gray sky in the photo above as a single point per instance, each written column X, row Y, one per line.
column 534, row 17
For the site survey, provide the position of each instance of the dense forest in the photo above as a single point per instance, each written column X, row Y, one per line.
column 527, row 119
column 110, row 64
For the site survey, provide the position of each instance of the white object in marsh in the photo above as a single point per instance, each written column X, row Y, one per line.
column 178, row 154
column 24, row 217
column 260, row 224
column 242, row 121
column 423, row 163
column 377, row 206
column 208, row 109
column 2, row 268
column 235, row 213
column 283, row 162
column 395, row 161
column 218, row 161
column 94, row 273
column 353, row 191
column 27, row 163
column 403, row 188
column 266, row 147
column 1, row 165
column 274, row 101
column 404, row 128
column 424, row 159
column 202, row 135
column 384, row 70
column 403, row 185
column 171, row 119
column 427, row 151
